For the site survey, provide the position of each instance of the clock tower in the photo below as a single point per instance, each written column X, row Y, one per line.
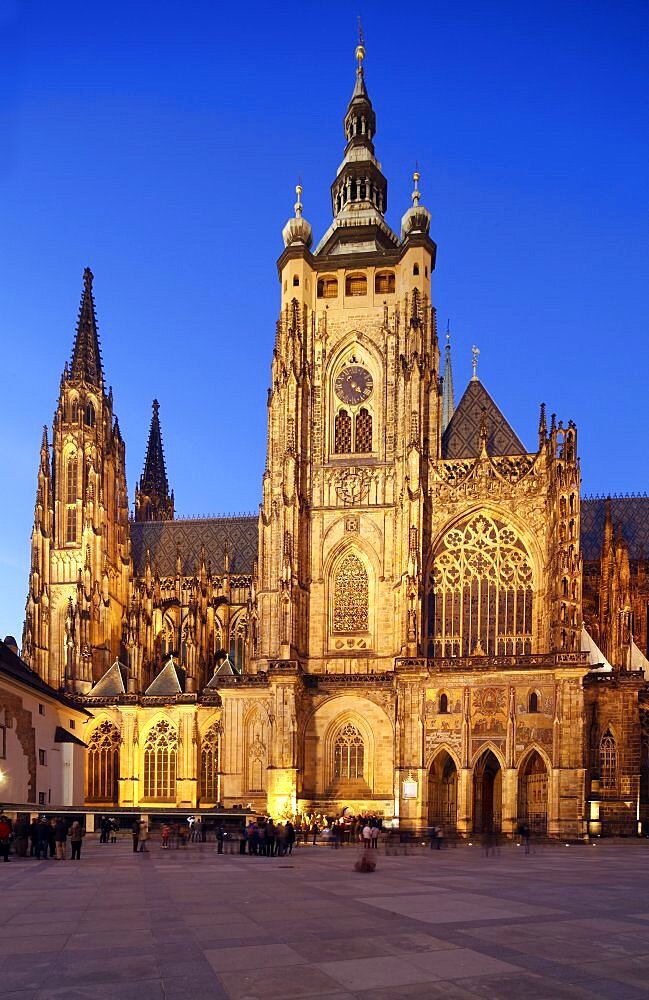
column 353, row 419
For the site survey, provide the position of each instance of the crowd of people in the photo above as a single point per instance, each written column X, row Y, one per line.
column 43, row 837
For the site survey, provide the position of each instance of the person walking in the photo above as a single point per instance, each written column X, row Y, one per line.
column 60, row 838
column 144, row 836
column 5, row 836
column 220, row 837
column 76, row 836
column 164, row 836
column 135, row 833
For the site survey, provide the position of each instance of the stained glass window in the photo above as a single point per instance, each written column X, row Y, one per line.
column 350, row 596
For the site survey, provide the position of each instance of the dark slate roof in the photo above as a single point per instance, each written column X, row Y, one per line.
column 170, row 681
column 12, row 666
column 61, row 735
column 214, row 534
column 630, row 513
column 461, row 439
column 113, row 683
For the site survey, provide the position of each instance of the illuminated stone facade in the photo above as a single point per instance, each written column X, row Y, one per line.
column 403, row 626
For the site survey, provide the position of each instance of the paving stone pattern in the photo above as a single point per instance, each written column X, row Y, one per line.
column 564, row 922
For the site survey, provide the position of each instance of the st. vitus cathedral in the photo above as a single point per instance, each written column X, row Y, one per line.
column 426, row 621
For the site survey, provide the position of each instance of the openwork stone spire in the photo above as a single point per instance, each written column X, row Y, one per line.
column 448, row 401
column 153, row 502
column 86, row 355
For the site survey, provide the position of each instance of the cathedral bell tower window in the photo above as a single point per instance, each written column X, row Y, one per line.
column 89, row 418
column 355, row 284
column 384, row 283
column 363, row 436
column 327, row 288
column 343, row 433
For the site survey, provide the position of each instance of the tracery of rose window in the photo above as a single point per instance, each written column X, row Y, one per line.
column 480, row 591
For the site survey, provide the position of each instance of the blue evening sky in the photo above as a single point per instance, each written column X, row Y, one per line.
column 159, row 144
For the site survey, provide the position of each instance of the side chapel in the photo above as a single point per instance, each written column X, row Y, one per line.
column 426, row 621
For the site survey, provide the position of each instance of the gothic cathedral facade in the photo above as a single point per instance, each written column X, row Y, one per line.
column 402, row 629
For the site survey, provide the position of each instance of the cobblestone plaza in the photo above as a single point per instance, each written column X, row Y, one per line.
column 563, row 922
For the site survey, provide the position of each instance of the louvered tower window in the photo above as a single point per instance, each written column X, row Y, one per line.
column 343, row 433
column 363, row 431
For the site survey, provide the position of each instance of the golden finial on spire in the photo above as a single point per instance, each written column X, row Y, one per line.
column 298, row 203
column 360, row 48
column 416, row 194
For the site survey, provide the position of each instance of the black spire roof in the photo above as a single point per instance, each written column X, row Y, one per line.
column 154, row 502
column 86, row 355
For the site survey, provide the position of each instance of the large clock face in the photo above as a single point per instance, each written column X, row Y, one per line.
column 354, row 384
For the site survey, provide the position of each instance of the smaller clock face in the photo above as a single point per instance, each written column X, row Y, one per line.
column 354, row 384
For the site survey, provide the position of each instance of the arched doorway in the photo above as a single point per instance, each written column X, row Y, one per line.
column 487, row 793
column 533, row 793
column 442, row 792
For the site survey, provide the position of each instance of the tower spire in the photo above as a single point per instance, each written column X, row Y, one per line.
column 86, row 355
column 448, row 400
column 153, row 501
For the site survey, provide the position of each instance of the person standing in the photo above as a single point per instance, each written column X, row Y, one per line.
column 290, row 836
column 135, row 833
column 42, row 838
column 60, row 838
column 5, row 836
column 51, row 840
column 33, row 838
column 76, row 836
column 220, row 837
column 21, row 836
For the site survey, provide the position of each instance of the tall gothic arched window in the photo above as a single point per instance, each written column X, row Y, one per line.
column 160, row 756
column 343, row 433
column 480, row 591
column 102, row 763
column 363, row 436
column 349, row 754
column 238, row 642
column 71, row 480
column 350, row 596
column 209, row 776
column 608, row 760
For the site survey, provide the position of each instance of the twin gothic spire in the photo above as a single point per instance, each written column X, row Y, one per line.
column 86, row 356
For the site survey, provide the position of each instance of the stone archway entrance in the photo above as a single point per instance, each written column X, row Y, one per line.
column 442, row 792
column 533, row 794
column 487, row 793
